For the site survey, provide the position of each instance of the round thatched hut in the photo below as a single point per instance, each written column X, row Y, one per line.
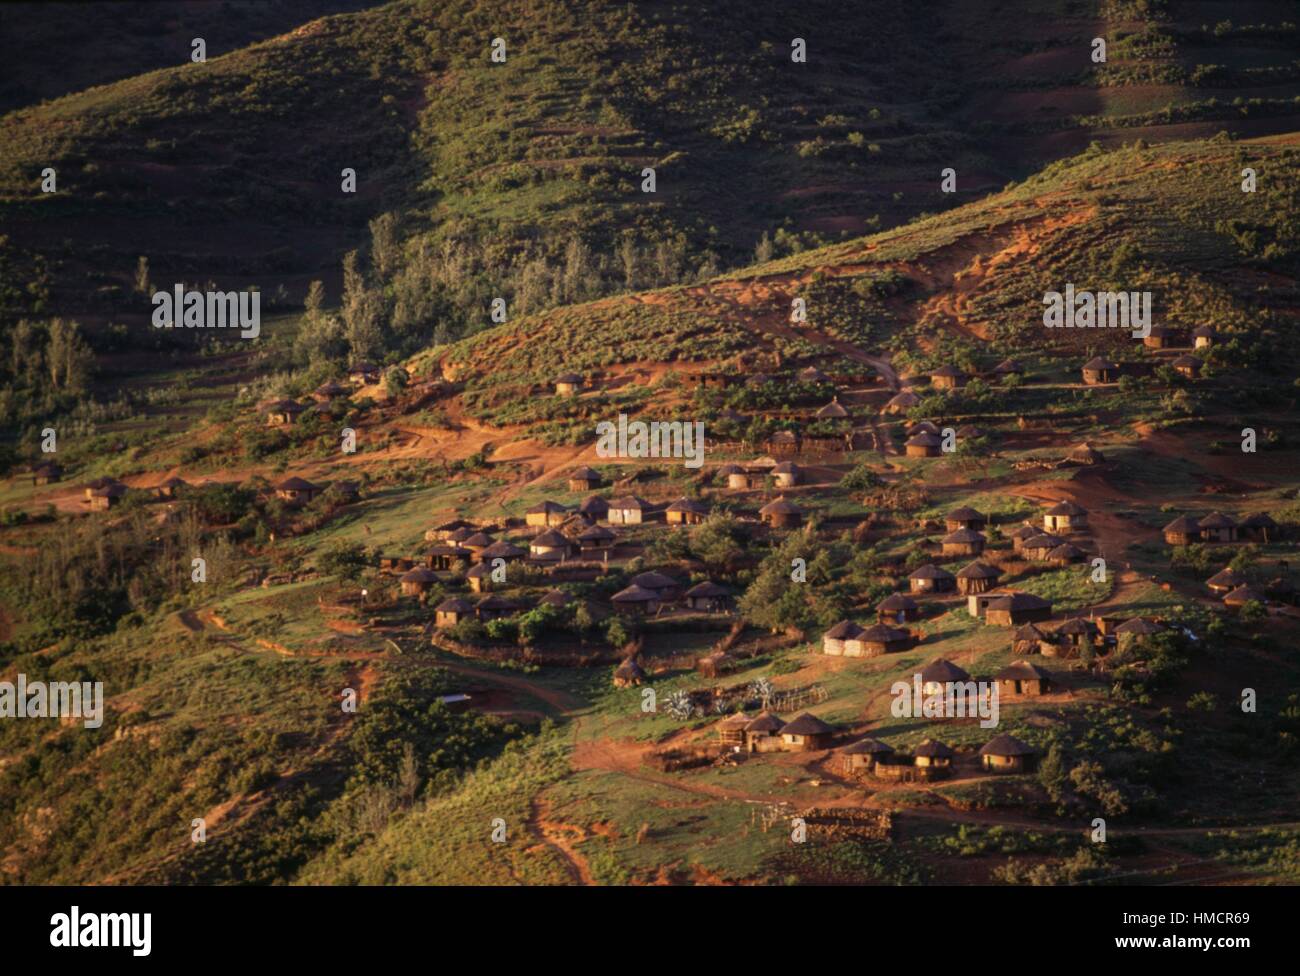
column 924, row 445
column 452, row 611
column 1100, row 370
column 417, row 581
column 1040, row 546
column 898, row 608
column 635, row 601
column 1066, row 554
column 584, row 479
column 902, row 402
column 1022, row 679
column 1217, row 527
column 833, row 640
column 1007, row 754
column 1065, row 516
column 764, row 733
column 863, row 754
column 977, row 577
column 877, row 639
column 931, row 579
column 1182, row 531
column 963, row 542
column 934, row 755
column 781, row 514
column 1242, row 595
column 807, row 733
column 1225, row 581
column 965, row 517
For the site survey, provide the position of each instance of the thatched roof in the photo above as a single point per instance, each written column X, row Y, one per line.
column 596, row 533
column 550, row 539
column 652, row 580
column 546, row 507
column 1217, row 520
column 832, row 411
column 1018, row 601
column 904, row 400
column 942, row 671
column 866, row 746
column 1043, row 540
column 962, row 537
column 807, row 724
column 1021, row 671
column 634, row 594
column 419, row 575
column 924, row 439
column 931, row 572
column 734, row 723
column 557, row 598
column 1077, row 625
column 594, row 505
column 933, row 749
column 707, row 589
column 780, row 507
column 1227, row 577
column 897, row 601
column 296, row 484
column 1258, row 520
column 1066, row 508
column 1029, row 632
column 966, row 514
column 1139, row 626
column 1006, row 745
column 844, row 630
column 882, row 634
column 505, row 550
column 1068, row 552
column 1183, row 525
column 584, row 473
column 1099, row 363
column 454, row 604
column 979, row 570
column 1244, row 594
column 766, row 722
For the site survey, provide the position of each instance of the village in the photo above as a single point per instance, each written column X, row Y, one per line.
column 1013, row 589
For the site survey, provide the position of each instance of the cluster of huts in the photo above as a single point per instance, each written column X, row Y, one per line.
column 328, row 400
column 932, row 759
column 1100, row 370
column 767, row 732
column 1217, row 527
column 106, row 492
column 649, row 593
column 1235, row 589
column 1082, row 635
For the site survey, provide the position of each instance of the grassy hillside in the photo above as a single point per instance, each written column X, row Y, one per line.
column 98, row 43
column 523, row 179
column 967, row 286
